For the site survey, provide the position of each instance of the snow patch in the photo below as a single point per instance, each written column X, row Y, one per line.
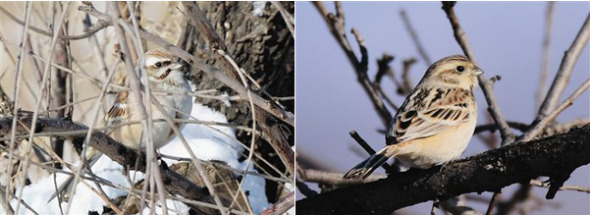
column 206, row 142
column 258, row 8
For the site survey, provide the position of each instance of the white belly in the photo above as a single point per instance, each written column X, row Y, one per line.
column 162, row 132
column 438, row 149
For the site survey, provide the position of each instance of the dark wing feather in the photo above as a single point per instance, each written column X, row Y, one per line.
column 118, row 112
column 427, row 112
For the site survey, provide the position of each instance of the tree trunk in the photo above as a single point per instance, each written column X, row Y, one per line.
column 257, row 37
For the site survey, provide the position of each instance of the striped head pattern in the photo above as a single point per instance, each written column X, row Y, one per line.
column 161, row 65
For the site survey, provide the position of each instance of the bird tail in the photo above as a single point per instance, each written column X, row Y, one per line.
column 68, row 185
column 365, row 168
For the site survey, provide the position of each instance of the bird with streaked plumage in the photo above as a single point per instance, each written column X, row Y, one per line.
column 164, row 74
column 436, row 121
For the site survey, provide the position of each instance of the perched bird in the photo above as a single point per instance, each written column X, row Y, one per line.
column 164, row 74
column 435, row 122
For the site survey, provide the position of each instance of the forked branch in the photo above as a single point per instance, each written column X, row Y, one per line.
column 556, row 157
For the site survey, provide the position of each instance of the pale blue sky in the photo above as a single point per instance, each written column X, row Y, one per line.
column 506, row 38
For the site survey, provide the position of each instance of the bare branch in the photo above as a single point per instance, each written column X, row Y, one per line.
column 383, row 67
column 361, row 142
column 281, row 206
column 289, row 20
column 539, row 183
column 492, row 203
column 45, row 78
column 456, row 206
column 270, row 107
column 415, row 38
column 545, row 56
column 135, row 86
column 337, row 28
column 270, row 128
column 367, row 148
column 266, row 105
column 519, row 196
column 565, row 70
column 486, row 85
column 197, row 18
column 116, row 151
column 538, row 127
column 89, row 32
column 16, row 97
column 332, row 178
column 407, row 85
column 556, row 156
column 493, row 127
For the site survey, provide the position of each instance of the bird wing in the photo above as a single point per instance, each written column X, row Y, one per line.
column 117, row 114
column 428, row 112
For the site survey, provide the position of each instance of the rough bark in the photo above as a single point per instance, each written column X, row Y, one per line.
column 555, row 156
column 130, row 158
column 264, row 48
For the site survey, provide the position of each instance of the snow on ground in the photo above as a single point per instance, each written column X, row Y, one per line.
column 206, row 143
column 258, row 8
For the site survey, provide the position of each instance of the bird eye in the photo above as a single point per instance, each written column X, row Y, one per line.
column 460, row 68
column 158, row 65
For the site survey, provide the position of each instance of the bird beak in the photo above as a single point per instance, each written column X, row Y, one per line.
column 176, row 66
column 478, row 72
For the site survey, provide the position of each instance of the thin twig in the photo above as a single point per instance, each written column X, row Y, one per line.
column 89, row 32
column 6, row 204
column 545, row 55
column 16, row 97
column 281, row 206
column 39, row 101
column 545, row 157
column 407, row 81
column 538, row 127
column 54, row 65
column 493, row 127
column 539, row 183
column 134, row 83
column 235, row 170
column 486, row 85
column 197, row 162
column 157, row 176
column 492, row 203
column 58, row 92
column 98, row 53
column 8, row 208
column 116, row 151
column 386, row 98
column 415, row 37
column 383, row 69
column 564, row 127
column 332, row 178
column 253, row 112
column 198, row 18
column 565, row 70
column 280, row 113
column 260, row 118
column 289, row 20
column 519, row 196
column 362, row 142
column 336, row 25
column 456, row 205
column 367, row 147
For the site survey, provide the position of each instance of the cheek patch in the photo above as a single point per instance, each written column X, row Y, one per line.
column 165, row 74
